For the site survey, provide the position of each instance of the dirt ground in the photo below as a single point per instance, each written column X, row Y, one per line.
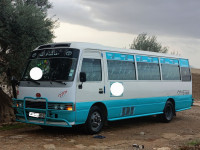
column 147, row 131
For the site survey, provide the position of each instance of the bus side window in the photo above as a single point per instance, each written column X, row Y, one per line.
column 185, row 74
column 185, row 70
column 121, row 70
column 92, row 68
column 170, row 72
column 148, row 71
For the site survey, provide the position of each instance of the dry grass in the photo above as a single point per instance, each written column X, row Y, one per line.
column 192, row 145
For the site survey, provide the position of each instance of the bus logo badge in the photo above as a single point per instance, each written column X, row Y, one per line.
column 68, row 53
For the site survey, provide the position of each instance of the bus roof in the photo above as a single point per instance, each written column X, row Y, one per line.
column 93, row 46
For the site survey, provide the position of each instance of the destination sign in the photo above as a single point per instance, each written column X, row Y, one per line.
column 60, row 52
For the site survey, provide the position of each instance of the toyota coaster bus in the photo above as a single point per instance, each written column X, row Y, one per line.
column 84, row 83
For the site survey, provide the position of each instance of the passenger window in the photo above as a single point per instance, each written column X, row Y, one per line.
column 92, row 68
column 148, row 71
column 185, row 70
column 170, row 72
column 148, row 68
column 185, row 74
column 121, row 70
column 170, row 69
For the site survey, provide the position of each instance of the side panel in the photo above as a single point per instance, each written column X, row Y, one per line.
column 130, row 108
column 147, row 99
column 145, row 96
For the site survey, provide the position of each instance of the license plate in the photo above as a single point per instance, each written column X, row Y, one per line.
column 36, row 115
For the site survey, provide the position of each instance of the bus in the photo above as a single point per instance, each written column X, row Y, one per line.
column 89, row 84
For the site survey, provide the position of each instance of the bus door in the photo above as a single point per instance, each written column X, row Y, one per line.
column 93, row 88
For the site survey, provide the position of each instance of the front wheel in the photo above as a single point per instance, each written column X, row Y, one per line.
column 168, row 114
column 95, row 120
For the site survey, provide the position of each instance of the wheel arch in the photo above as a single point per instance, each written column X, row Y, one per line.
column 95, row 125
column 103, row 107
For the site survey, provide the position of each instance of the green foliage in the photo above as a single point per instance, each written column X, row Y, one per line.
column 191, row 145
column 147, row 43
column 194, row 142
column 23, row 26
column 15, row 126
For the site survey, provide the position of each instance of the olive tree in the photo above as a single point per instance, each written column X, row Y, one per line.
column 24, row 25
column 147, row 43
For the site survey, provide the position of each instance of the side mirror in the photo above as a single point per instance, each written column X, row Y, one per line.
column 82, row 76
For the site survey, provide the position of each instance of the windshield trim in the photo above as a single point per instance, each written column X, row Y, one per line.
column 53, row 58
column 29, row 60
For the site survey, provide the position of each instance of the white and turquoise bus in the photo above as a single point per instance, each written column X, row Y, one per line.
column 76, row 81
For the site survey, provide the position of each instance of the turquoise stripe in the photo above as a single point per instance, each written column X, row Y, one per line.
column 183, row 109
column 142, row 107
column 139, row 106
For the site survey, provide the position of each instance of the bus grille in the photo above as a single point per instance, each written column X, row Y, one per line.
column 31, row 104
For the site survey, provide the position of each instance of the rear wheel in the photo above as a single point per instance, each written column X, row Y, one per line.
column 168, row 114
column 95, row 120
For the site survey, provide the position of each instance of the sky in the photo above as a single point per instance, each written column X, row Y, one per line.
column 117, row 23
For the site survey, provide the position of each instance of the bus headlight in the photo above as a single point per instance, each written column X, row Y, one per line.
column 19, row 104
column 62, row 107
column 56, row 107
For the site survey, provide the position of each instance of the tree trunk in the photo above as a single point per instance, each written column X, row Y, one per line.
column 6, row 110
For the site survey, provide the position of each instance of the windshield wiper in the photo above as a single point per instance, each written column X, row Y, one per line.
column 58, row 82
column 34, row 82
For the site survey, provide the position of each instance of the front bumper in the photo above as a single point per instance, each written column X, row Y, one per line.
column 52, row 117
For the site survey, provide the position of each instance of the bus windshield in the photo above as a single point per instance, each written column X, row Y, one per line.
column 56, row 64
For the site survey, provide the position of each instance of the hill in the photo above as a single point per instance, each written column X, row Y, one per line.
column 196, row 84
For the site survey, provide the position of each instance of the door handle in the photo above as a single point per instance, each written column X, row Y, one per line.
column 100, row 91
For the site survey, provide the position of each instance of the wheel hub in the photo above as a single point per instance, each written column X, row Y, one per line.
column 95, row 120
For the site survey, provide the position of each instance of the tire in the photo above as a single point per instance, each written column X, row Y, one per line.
column 168, row 112
column 95, row 121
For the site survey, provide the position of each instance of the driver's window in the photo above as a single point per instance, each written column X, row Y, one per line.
column 92, row 68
